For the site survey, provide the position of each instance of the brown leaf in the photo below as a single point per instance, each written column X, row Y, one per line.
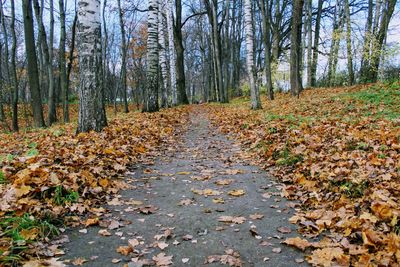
column 124, row 250
column 162, row 260
column 297, row 242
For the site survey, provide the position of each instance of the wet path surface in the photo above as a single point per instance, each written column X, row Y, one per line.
column 200, row 203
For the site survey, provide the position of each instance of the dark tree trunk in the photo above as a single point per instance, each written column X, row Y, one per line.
column 295, row 77
column 267, row 47
column 180, row 67
column 316, row 44
column 33, row 74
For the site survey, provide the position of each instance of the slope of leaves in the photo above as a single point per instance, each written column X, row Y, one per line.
column 337, row 151
column 48, row 174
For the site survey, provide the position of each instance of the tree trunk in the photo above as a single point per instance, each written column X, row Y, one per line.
column 69, row 69
column 388, row 10
column 123, row 55
column 309, row 41
column 295, row 77
column 163, row 57
column 151, row 93
column 180, row 67
column 52, row 116
column 316, row 45
column 365, row 60
column 61, row 55
column 33, row 74
column 254, row 91
column 348, row 43
column 14, row 79
column 171, row 52
column 91, row 115
column 267, row 47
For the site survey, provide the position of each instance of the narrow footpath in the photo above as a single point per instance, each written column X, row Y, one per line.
column 199, row 204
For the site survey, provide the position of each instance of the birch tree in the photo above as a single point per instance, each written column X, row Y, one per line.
column 151, row 90
column 163, row 56
column 254, row 91
column 91, row 115
column 171, row 52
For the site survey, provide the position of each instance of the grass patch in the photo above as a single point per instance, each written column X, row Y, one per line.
column 63, row 196
column 18, row 232
column 351, row 189
column 378, row 101
column 286, row 158
column 3, row 179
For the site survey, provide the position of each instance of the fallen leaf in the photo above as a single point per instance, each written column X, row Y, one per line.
column 236, row 192
column 297, row 242
column 124, row 250
column 256, row 216
column 162, row 259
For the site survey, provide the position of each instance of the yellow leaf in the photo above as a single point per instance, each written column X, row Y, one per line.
column 236, row 192
column 183, row 173
column 22, row 191
column 103, row 182
column 29, row 234
column 219, row 200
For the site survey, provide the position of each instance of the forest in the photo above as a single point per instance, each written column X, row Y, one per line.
column 189, row 133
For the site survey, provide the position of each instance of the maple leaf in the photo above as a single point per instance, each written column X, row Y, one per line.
column 79, row 261
column 297, row 242
column 92, row 221
column 162, row 259
column 326, row 256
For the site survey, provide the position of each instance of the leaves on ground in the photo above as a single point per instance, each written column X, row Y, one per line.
column 337, row 150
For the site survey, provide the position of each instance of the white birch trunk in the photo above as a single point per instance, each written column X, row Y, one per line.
column 162, row 55
column 254, row 91
column 171, row 48
column 151, row 92
column 91, row 114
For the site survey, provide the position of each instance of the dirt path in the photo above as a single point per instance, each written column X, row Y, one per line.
column 188, row 222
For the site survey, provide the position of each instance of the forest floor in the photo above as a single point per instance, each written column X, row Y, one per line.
column 213, row 184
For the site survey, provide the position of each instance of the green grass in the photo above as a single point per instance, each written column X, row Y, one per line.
column 3, row 179
column 63, row 196
column 378, row 101
column 21, row 231
column 286, row 158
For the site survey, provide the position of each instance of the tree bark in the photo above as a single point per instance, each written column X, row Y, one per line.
column 172, row 53
column 348, row 43
column 61, row 55
column 314, row 63
column 151, row 92
column 295, row 77
column 14, row 79
column 162, row 57
column 254, row 91
column 69, row 69
column 309, row 41
column 123, row 55
column 180, row 67
column 33, row 74
column 267, row 47
column 91, row 115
